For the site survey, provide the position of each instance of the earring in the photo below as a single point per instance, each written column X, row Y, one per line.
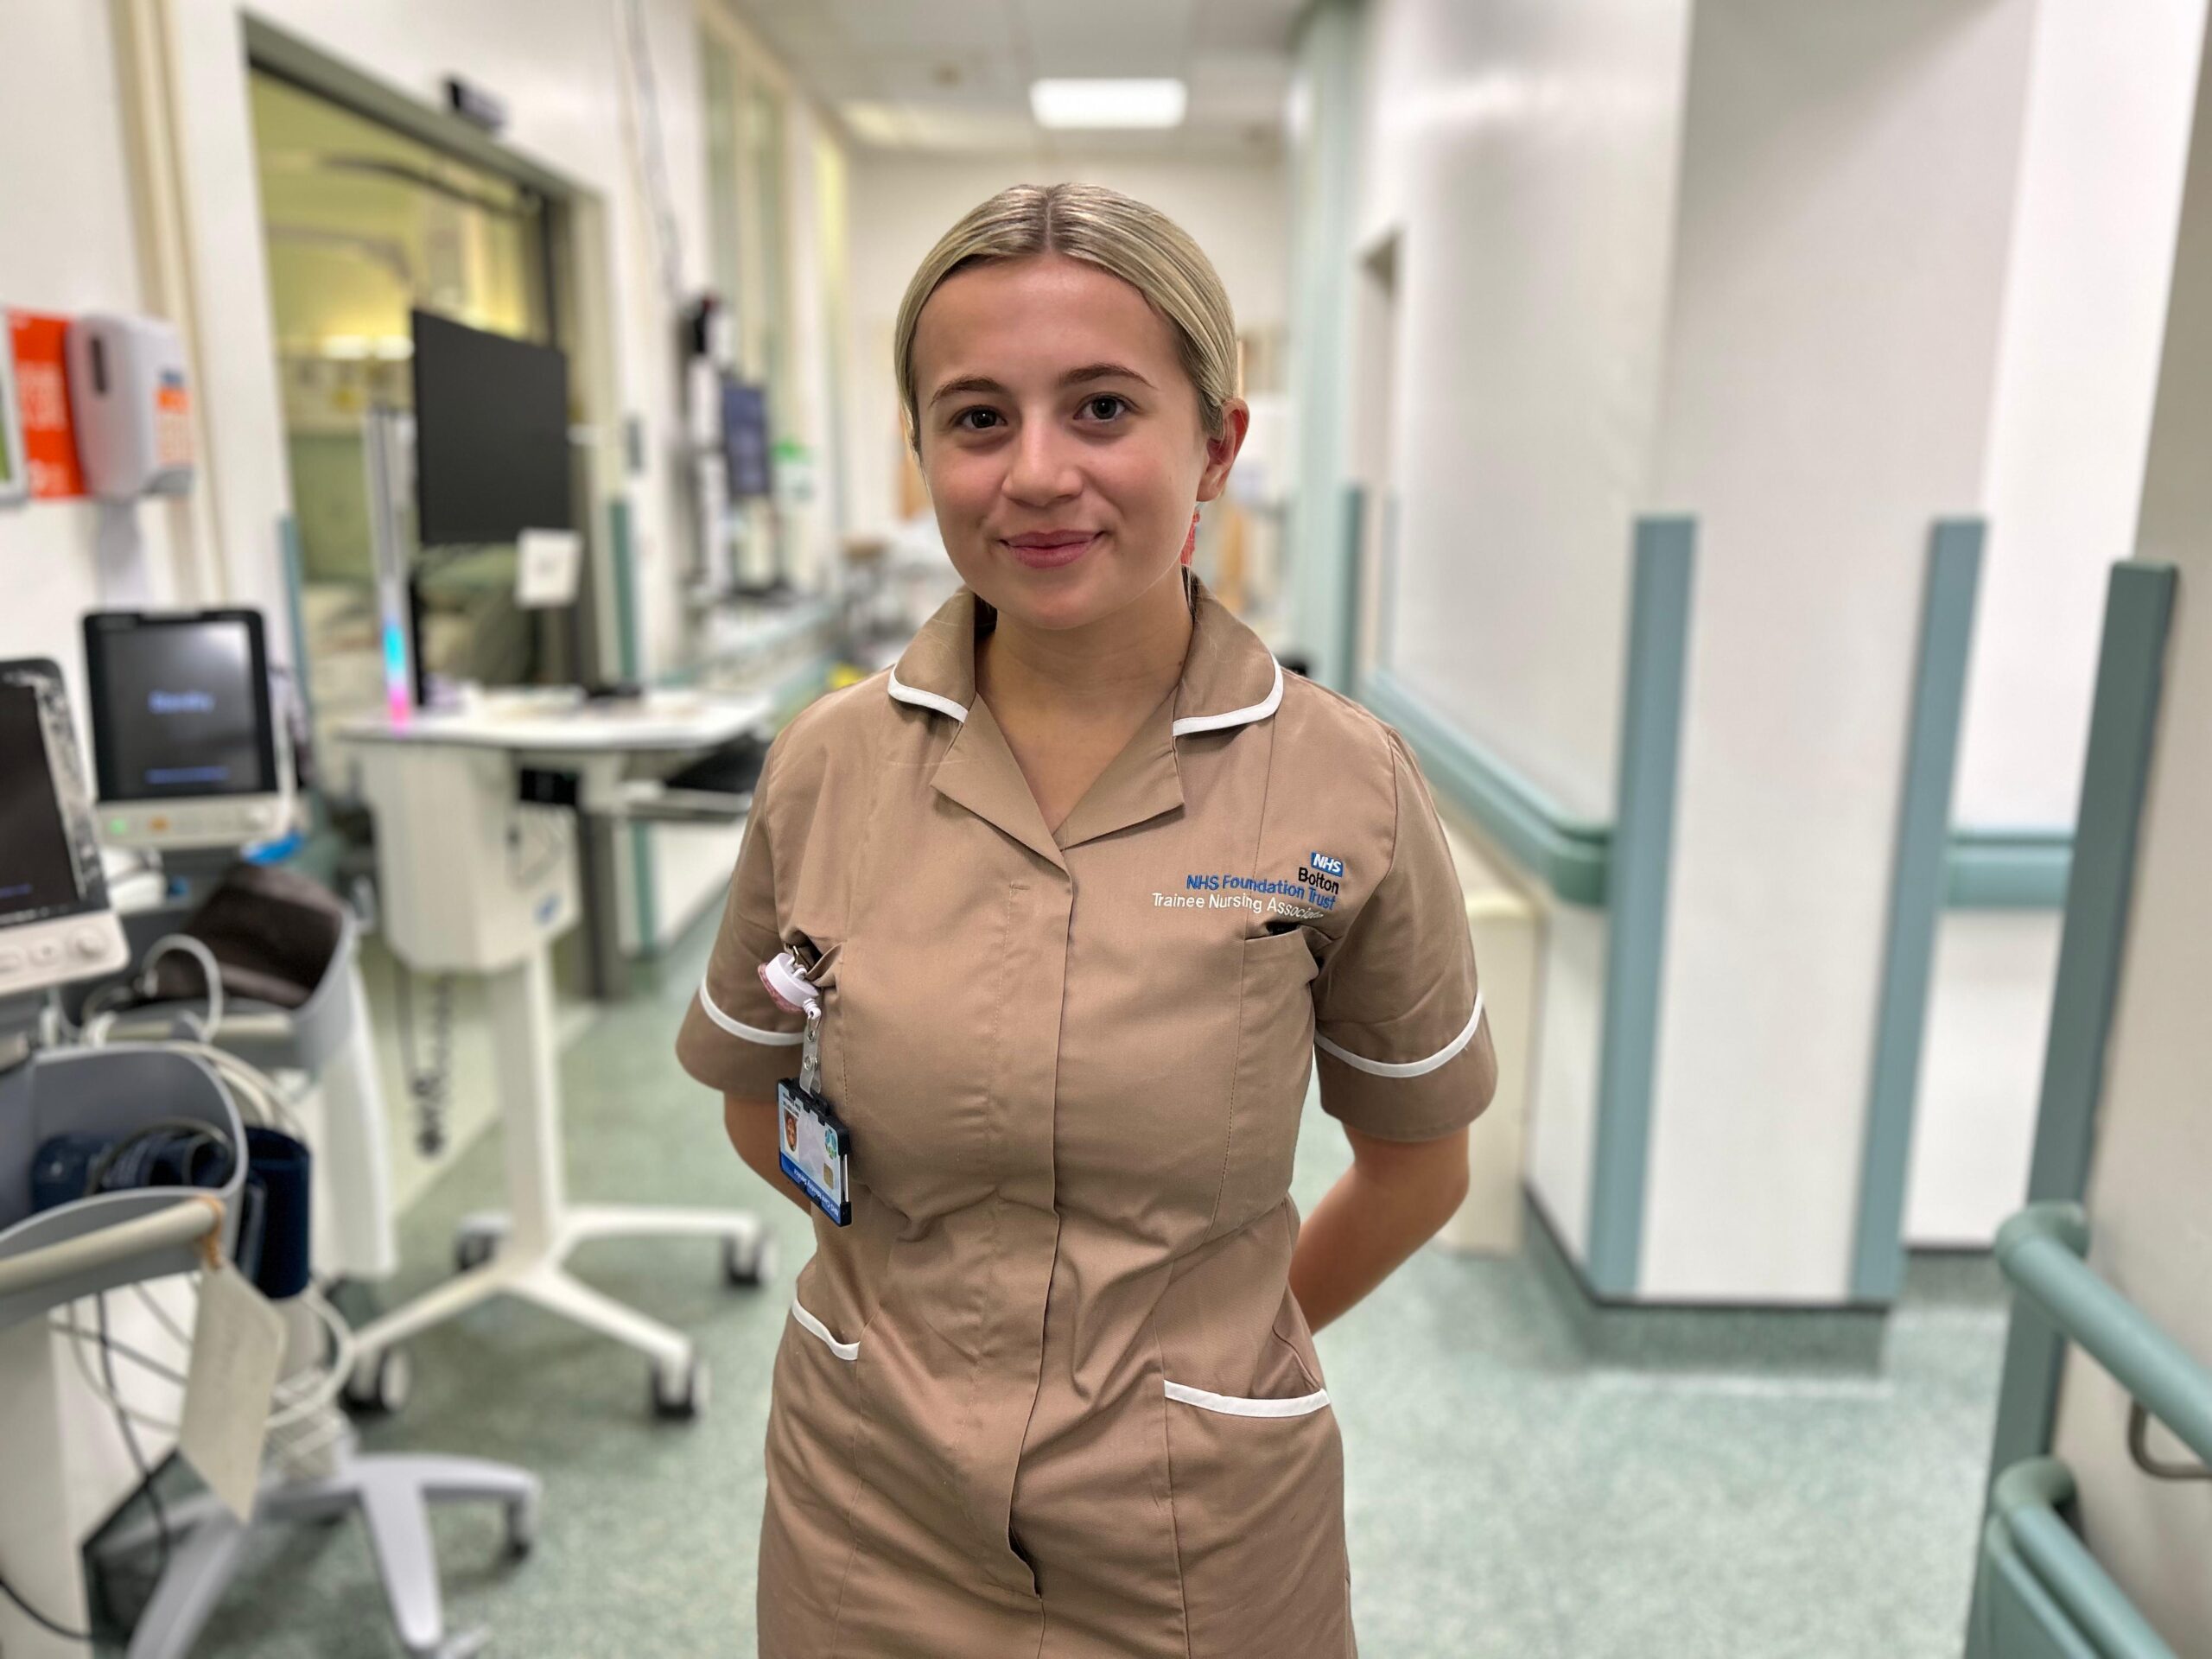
column 1191, row 539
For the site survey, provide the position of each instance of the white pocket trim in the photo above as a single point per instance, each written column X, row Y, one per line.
column 738, row 1029
column 847, row 1351
column 1238, row 1405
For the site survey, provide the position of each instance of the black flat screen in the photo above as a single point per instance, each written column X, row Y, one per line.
column 37, row 872
column 179, row 706
column 745, row 439
column 491, row 435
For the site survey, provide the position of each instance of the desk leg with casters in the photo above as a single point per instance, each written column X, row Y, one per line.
column 393, row 1494
column 522, row 1252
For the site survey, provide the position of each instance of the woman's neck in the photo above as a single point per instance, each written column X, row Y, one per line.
column 1117, row 668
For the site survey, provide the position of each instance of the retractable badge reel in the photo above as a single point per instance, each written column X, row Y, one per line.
column 812, row 1143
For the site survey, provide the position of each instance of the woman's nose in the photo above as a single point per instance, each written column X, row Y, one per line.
column 1039, row 469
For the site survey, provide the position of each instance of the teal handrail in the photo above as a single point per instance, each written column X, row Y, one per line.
column 2041, row 1251
column 2024, row 1503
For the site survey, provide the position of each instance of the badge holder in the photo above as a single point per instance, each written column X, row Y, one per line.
column 812, row 1143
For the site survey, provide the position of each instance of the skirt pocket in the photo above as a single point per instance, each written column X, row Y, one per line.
column 1257, row 1492
column 813, row 1461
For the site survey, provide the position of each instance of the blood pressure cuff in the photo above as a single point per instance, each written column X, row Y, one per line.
column 272, row 1248
column 273, row 932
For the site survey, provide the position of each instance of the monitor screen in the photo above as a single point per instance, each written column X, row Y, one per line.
column 179, row 705
column 745, row 438
column 44, row 872
column 491, row 435
column 36, row 872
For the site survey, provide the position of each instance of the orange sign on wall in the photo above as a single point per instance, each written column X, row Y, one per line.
column 42, row 395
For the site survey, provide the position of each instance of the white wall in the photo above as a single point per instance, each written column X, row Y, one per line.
column 1980, row 1075
column 2154, row 1137
column 1846, row 215
column 559, row 65
column 2091, row 258
column 2109, row 92
column 901, row 204
column 1526, row 154
column 69, row 244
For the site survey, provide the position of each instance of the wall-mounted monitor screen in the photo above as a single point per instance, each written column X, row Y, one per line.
column 745, row 439
column 491, row 435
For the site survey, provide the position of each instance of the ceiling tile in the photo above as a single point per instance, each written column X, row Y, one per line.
column 925, row 25
column 1246, row 25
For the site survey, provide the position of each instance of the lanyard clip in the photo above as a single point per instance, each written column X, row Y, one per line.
column 788, row 984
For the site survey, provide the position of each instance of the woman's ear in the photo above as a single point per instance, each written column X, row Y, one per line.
column 1221, row 452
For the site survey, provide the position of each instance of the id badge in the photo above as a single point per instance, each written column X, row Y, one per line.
column 815, row 1149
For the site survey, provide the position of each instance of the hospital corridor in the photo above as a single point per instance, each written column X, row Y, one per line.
column 1201, row 829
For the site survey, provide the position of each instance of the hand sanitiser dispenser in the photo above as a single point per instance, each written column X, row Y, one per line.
column 130, row 401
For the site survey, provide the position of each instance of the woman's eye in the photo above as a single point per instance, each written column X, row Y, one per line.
column 975, row 420
column 1105, row 407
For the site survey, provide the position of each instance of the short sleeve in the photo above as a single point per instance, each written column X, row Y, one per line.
column 734, row 1038
column 1403, row 1046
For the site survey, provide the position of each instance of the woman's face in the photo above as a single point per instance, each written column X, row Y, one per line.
column 1060, row 437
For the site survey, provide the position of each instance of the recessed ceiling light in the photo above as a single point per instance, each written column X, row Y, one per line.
column 1108, row 103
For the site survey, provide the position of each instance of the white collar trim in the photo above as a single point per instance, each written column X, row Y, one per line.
column 906, row 693
column 1259, row 710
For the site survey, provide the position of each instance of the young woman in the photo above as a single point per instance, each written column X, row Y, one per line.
column 1083, row 884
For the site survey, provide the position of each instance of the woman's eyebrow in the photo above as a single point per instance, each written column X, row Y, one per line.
column 967, row 382
column 1102, row 371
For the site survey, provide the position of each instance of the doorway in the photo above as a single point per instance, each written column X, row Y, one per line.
column 361, row 223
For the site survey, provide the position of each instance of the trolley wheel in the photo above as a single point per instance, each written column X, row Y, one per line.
column 380, row 1384
column 748, row 1266
column 522, row 1526
column 472, row 1251
column 679, row 1393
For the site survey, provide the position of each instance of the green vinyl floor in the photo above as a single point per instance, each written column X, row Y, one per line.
column 1507, row 1498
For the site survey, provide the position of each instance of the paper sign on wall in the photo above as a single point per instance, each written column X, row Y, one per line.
column 42, row 399
column 546, row 569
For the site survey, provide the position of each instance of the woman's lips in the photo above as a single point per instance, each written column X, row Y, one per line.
column 1052, row 549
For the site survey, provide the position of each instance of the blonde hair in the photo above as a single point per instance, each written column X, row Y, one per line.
column 1119, row 234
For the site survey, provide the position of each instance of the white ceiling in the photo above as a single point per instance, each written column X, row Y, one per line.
column 954, row 74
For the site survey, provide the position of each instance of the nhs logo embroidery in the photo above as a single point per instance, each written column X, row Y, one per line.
column 1323, row 877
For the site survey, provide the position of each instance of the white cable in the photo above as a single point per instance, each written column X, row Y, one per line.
column 99, row 1390
column 177, row 1333
column 328, row 1379
column 67, row 1321
column 208, row 967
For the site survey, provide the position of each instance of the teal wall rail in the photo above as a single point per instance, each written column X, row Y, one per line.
column 2008, row 869
column 1569, row 856
column 1636, row 892
column 2123, row 722
column 2041, row 1251
column 1627, row 870
column 2078, row 1599
column 2038, row 1588
column 1919, row 871
column 1353, row 580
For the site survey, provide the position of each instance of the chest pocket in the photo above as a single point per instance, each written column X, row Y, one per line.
column 1274, row 1058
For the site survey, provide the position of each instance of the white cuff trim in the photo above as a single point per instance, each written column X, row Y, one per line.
column 847, row 1351
column 1409, row 1068
column 750, row 1034
column 906, row 693
column 1238, row 1405
column 1259, row 710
